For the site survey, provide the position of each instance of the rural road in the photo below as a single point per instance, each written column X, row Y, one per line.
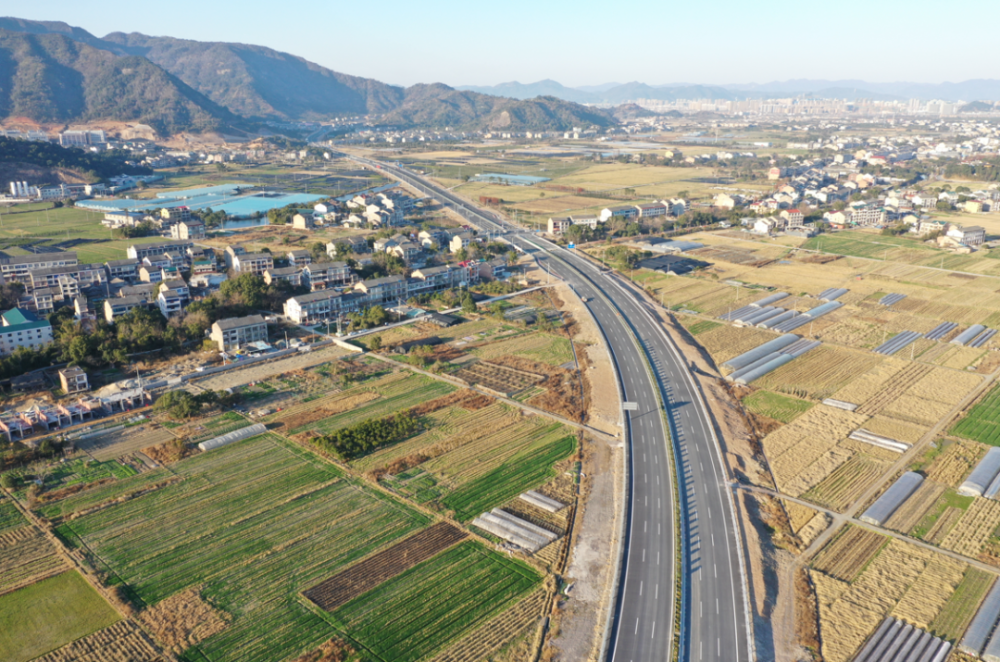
column 714, row 619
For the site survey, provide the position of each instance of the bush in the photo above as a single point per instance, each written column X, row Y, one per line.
column 363, row 438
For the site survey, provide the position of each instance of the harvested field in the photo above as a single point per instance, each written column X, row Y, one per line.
column 170, row 451
column 864, row 387
column 25, row 557
column 306, row 413
column 893, row 428
column 183, row 620
column 461, row 588
column 798, row 515
column 122, row 642
column 955, row 462
column 726, row 342
column 497, row 632
column 976, row 526
column 820, row 373
column 778, row 407
column 810, row 439
column 894, row 387
column 912, row 511
column 499, row 378
column 957, row 612
column 845, row 483
column 808, row 533
column 540, row 347
column 10, row 517
column 848, row 619
column 928, row 595
column 366, row 575
column 849, row 552
column 123, row 442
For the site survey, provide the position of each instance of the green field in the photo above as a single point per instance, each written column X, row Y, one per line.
column 429, row 606
column 526, row 470
column 48, row 614
column 702, row 327
column 956, row 614
column 863, row 244
column 781, row 408
column 253, row 523
column 982, row 422
column 10, row 517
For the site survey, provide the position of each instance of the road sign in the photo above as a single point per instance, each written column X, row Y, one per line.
column 631, row 406
column 571, row 246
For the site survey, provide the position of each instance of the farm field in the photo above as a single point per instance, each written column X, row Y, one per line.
column 957, row 612
column 779, row 407
column 49, row 614
column 122, row 642
column 900, row 579
column 250, row 525
column 982, row 422
column 440, row 598
column 539, row 347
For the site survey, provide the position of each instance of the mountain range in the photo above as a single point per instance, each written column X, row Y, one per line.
column 618, row 93
column 51, row 72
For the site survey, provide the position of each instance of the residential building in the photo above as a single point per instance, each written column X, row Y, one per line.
column 383, row 290
column 234, row 332
column 303, row 222
column 188, row 229
column 460, row 241
column 626, row 212
column 495, row 269
column 140, row 251
column 792, row 217
column 178, row 287
column 21, row 328
column 173, row 215
column 589, row 220
column 559, row 224
column 230, row 254
column 124, row 269
column 972, row 235
column 321, row 275
column 256, row 263
column 974, row 206
column 69, row 280
column 406, row 250
column 150, row 274
column 17, row 267
column 322, row 306
column 652, row 210
column 868, row 216
column 290, row 275
column 73, row 380
column 299, row 258
column 723, row 201
column 116, row 307
column 434, row 279
column 356, row 244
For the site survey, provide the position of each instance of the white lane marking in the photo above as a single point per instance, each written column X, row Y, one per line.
column 656, row 592
column 645, row 477
column 658, row 525
column 645, row 526
column 657, row 558
column 654, row 631
column 640, row 592
column 637, row 626
column 701, row 609
column 713, row 540
column 643, row 554
column 647, row 501
column 716, row 603
column 657, row 502
column 716, row 569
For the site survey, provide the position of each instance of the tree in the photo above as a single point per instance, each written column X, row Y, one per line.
column 8, row 482
column 375, row 343
column 468, row 303
column 512, row 258
column 943, row 205
column 318, row 250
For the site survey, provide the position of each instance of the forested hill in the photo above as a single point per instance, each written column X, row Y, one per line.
column 89, row 165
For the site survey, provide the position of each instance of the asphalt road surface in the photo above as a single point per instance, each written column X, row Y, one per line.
column 714, row 623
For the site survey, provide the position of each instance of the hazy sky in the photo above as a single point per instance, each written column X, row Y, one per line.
column 581, row 43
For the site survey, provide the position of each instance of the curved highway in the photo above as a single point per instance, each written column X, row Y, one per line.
column 714, row 623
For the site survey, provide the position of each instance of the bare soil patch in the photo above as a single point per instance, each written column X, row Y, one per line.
column 183, row 620
column 366, row 575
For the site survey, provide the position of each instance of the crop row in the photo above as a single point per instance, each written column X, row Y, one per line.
column 497, row 632
column 849, row 553
column 122, row 642
column 957, row 613
column 431, row 605
column 520, row 473
column 254, row 524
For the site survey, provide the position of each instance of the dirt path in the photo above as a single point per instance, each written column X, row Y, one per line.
column 260, row 371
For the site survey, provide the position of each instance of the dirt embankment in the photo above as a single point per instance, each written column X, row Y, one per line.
column 37, row 175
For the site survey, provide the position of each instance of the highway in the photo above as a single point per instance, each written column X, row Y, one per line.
column 714, row 622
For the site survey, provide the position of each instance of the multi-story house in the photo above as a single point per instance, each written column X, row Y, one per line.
column 116, row 307
column 21, row 328
column 140, row 251
column 127, row 270
column 188, row 229
column 18, row 266
column 321, row 275
column 290, row 275
column 322, row 306
column 383, row 290
column 235, row 332
column 255, row 263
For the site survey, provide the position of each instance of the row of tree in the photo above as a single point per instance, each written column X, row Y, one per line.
column 367, row 436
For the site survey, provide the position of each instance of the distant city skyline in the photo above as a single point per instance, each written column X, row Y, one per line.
column 714, row 43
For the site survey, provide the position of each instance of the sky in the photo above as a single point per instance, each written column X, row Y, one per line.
column 583, row 43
